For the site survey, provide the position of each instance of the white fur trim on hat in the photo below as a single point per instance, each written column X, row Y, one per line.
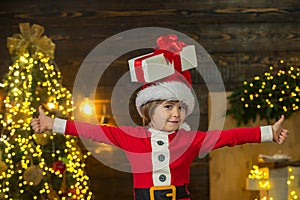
column 172, row 90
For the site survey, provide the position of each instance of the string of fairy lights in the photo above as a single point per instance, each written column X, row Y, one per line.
column 19, row 109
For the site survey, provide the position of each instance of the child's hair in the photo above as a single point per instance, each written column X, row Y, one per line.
column 148, row 108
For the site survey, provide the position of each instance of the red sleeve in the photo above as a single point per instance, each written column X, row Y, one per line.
column 117, row 136
column 93, row 132
column 217, row 139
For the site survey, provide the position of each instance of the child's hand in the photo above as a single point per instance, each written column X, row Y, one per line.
column 42, row 123
column 279, row 134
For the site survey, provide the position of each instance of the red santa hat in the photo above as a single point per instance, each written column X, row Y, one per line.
column 177, row 86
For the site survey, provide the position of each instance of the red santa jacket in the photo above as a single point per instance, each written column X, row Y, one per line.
column 160, row 158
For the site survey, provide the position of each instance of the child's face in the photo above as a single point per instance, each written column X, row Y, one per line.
column 168, row 116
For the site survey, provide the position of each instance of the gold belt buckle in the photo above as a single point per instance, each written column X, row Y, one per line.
column 165, row 187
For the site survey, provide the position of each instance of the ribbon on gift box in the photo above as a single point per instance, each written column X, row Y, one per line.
column 170, row 43
column 167, row 45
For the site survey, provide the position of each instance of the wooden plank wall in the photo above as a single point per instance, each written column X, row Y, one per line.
column 243, row 38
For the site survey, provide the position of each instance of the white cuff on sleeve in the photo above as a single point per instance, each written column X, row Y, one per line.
column 266, row 133
column 59, row 125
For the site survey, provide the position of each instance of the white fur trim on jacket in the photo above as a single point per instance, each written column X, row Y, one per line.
column 172, row 90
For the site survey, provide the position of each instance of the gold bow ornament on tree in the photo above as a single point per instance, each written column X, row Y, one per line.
column 30, row 40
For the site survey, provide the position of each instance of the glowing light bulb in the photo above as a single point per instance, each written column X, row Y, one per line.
column 51, row 105
column 86, row 107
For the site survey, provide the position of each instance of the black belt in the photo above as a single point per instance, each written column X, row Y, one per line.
column 161, row 193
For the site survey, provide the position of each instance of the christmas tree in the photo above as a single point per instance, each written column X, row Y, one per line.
column 37, row 166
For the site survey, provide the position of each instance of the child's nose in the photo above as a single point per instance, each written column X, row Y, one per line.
column 176, row 112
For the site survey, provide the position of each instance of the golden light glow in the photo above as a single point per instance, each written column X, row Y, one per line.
column 87, row 107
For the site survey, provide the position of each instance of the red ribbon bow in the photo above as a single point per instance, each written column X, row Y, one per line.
column 170, row 43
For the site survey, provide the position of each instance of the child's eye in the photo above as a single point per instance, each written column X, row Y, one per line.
column 168, row 106
column 182, row 107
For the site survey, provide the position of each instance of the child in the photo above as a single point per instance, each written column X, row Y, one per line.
column 161, row 152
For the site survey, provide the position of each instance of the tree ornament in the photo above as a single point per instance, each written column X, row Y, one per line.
column 33, row 175
column 59, row 166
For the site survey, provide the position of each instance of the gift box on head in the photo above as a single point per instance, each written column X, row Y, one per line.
column 169, row 56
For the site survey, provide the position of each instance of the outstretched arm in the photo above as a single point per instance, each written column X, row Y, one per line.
column 42, row 123
column 107, row 134
column 279, row 133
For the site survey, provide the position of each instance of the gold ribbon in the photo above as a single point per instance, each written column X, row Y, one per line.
column 30, row 39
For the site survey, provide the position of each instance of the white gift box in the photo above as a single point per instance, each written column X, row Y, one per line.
column 152, row 67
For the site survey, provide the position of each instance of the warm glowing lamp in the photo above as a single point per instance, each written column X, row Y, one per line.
column 86, row 107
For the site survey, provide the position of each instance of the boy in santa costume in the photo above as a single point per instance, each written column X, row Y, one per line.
column 161, row 151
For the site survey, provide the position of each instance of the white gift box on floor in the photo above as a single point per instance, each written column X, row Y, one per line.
column 152, row 67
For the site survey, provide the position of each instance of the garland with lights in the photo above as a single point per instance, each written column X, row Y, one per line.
column 37, row 166
column 269, row 96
